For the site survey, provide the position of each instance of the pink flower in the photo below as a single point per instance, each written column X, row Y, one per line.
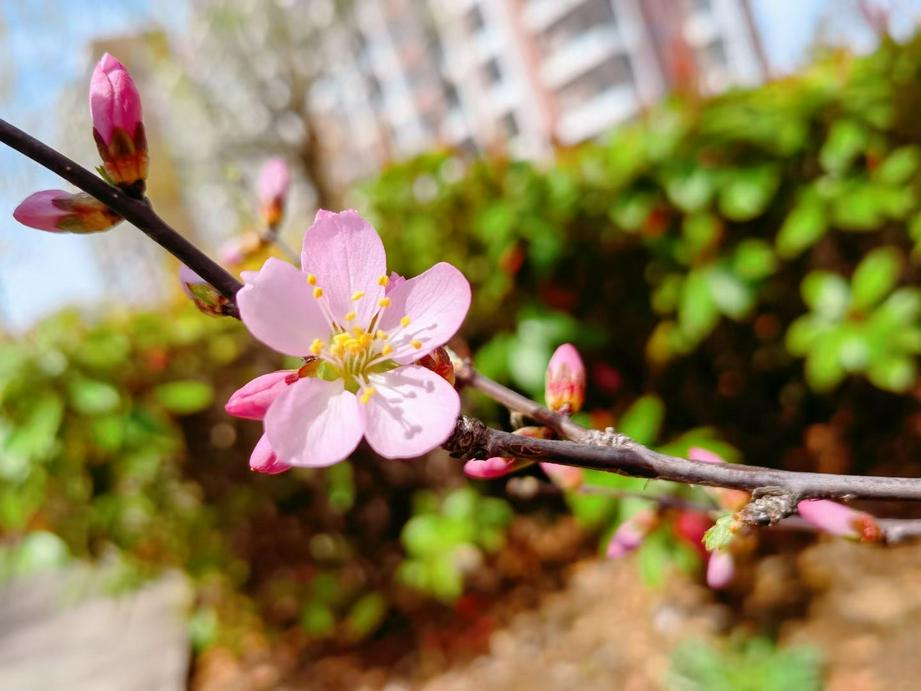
column 720, row 569
column 631, row 533
column 117, row 123
column 335, row 312
column 564, row 387
column 563, row 476
column 838, row 519
column 58, row 211
column 274, row 182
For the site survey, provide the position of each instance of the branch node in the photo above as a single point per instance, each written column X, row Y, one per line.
column 768, row 506
column 469, row 440
column 606, row 437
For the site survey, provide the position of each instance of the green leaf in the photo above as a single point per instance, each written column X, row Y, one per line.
column 896, row 374
column 804, row 226
column 690, row 189
column 875, row 277
column 91, row 397
column 747, row 192
column 367, row 614
column 184, row 397
column 846, row 140
column 720, row 533
column 317, row 619
column 826, row 293
column 733, row 297
column 899, row 166
column 824, row 369
column 642, row 421
column 697, row 313
column 701, row 231
column 754, row 259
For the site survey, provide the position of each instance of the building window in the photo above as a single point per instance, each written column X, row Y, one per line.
column 612, row 73
column 474, row 20
column 590, row 16
column 492, row 73
column 510, row 126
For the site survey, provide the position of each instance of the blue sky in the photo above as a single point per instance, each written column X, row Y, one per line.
column 43, row 50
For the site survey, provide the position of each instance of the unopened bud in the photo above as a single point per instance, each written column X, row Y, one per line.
column 58, row 211
column 117, row 124
column 492, row 468
column 440, row 363
column 564, row 386
column 837, row 519
column 631, row 533
column 731, row 499
column 274, row 183
column 721, row 569
column 205, row 296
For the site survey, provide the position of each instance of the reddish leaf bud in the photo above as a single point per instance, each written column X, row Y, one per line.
column 565, row 383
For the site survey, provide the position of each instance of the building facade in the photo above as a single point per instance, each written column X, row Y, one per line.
column 523, row 75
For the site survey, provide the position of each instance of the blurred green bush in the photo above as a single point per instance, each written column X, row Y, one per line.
column 751, row 260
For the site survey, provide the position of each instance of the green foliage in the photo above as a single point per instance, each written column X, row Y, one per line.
column 447, row 538
column 754, row 664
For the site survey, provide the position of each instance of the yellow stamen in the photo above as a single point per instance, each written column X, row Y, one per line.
column 311, row 279
column 387, row 349
column 381, row 335
column 350, row 316
column 316, row 347
column 383, row 280
column 318, row 293
column 357, row 330
column 366, row 394
column 358, row 295
column 404, row 322
column 384, row 302
column 365, row 340
column 415, row 343
column 336, row 350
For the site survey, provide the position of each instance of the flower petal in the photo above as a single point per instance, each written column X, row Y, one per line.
column 314, row 423
column 278, row 308
column 264, row 460
column 490, row 468
column 347, row 257
column 412, row 412
column 252, row 401
column 39, row 210
column 436, row 303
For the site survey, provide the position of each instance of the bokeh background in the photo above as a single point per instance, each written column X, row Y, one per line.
column 717, row 201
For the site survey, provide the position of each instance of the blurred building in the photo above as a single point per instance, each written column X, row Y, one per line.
column 407, row 75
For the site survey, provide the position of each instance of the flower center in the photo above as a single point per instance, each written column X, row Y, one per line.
column 352, row 353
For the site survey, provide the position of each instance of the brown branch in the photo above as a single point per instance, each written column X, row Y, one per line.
column 136, row 211
column 617, row 453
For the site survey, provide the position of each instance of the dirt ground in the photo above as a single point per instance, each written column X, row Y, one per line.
column 603, row 629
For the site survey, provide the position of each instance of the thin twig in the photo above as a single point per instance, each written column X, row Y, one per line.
column 136, row 211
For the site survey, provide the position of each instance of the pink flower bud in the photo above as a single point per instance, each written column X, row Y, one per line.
column 117, row 123
column 838, row 519
column 206, row 297
column 58, row 211
column 264, row 460
column 491, row 468
column 240, row 249
column 720, row 569
column 564, row 387
column 274, row 182
column 631, row 533
column 440, row 363
column 252, row 401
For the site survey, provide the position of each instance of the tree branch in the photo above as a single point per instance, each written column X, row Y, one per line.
column 617, row 453
column 135, row 211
